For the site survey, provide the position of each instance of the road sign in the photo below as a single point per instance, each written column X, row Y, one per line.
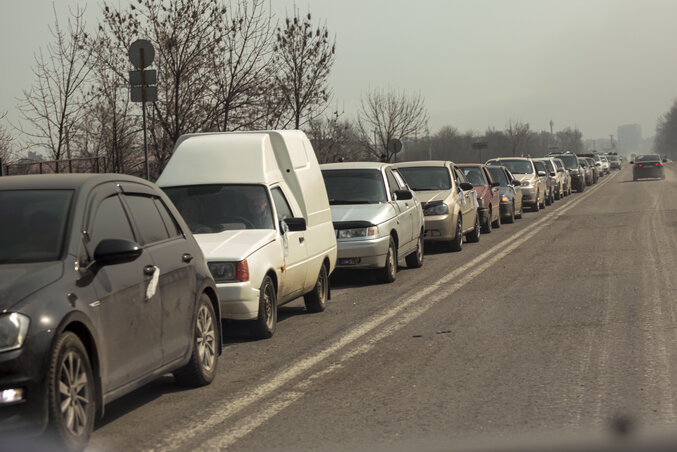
column 141, row 53
column 137, row 93
column 480, row 145
column 394, row 146
column 141, row 78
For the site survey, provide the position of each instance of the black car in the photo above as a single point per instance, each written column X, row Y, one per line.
column 648, row 165
column 574, row 168
column 102, row 289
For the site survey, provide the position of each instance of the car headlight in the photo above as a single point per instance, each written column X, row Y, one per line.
column 436, row 209
column 229, row 271
column 530, row 183
column 357, row 232
column 573, row 171
column 505, row 199
column 13, row 329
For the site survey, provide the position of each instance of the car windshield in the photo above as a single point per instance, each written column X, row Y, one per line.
column 422, row 178
column 518, row 166
column 548, row 164
column 214, row 208
column 37, row 229
column 612, row 158
column 354, row 186
column 474, row 175
column 570, row 160
column 498, row 175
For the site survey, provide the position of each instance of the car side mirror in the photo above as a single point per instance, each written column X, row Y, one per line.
column 495, row 184
column 553, row 174
column 116, row 251
column 516, row 183
column 293, row 224
column 541, row 173
column 403, row 195
column 465, row 186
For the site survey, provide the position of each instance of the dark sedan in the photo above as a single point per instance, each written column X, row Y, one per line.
column 103, row 288
column 648, row 165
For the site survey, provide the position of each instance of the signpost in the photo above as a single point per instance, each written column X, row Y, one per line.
column 143, row 83
column 479, row 145
column 394, row 146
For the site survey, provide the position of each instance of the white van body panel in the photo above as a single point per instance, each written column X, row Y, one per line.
column 283, row 159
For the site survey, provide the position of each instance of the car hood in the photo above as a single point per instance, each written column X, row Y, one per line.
column 432, row 195
column 523, row 177
column 17, row 281
column 374, row 213
column 234, row 245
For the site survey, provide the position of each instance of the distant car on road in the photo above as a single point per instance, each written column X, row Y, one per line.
column 103, row 289
column 574, row 168
column 449, row 201
column 376, row 217
column 510, row 191
column 533, row 185
column 648, row 165
column 487, row 194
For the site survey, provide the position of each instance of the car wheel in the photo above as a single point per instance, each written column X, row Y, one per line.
column 264, row 326
column 537, row 206
column 201, row 367
column 519, row 214
column 389, row 272
column 511, row 216
column 474, row 235
column 72, row 403
column 415, row 259
column 456, row 244
column 486, row 227
column 497, row 224
column 316, row 300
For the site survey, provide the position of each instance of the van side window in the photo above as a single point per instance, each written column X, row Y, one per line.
column 110, row 222
column 281, row 205
column 147, row 218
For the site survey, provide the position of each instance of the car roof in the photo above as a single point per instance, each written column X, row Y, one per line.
column 510, row 158
column 468, row 165
column 423, row 163
column 63, row 181
column 355, row 165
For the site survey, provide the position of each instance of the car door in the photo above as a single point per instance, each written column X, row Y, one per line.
column 416, row 209
column 293, row 246
column 173, row 276
column 468, row 198
column 130, row 323
column 405, row 217
column 495, row 196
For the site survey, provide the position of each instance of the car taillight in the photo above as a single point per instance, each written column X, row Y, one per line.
column 637, row 165
column 242, row 271
column 659, row 164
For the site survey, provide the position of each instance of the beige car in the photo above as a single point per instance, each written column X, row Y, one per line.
column 448, row 199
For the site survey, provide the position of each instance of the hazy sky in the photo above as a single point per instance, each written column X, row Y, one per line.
column 591, row 64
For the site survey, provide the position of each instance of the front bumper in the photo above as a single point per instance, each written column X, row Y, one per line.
column 362, row 253
column 239, row 300
column 439, row 228
column 529, row 195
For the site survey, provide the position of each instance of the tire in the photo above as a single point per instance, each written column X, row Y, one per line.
column 474, row 235
column 497, row 224
column 316, row 300
column 486, row 227
column 456, row 243
column 201, row 367
column 415, row 259
column 558, row 194
column 511, row 217
column 389, row 272
column 537, row 205
column 71, row 419
column 264, row 326
column 581, row 188
column 547, row 200
column 519, row 215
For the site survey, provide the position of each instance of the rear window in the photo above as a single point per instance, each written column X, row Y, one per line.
column 422, row 178
column 37, row 230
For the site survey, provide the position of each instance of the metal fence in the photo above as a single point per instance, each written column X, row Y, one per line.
column 79, row 165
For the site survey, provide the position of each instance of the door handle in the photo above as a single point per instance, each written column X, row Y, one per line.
column 148, row 270
column 187, row 257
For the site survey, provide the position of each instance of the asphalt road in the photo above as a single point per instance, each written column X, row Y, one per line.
column 554, row 325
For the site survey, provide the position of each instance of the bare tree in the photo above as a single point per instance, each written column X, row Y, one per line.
column 334, row 139
column 53, row 109
column 665, row 142
column 5, row 143
column 385, row 115
column 304, row 56
column 570, row 140
column 519, row 134
column 241, row 64
column 185, row 35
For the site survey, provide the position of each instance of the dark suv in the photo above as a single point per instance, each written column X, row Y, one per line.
column 573, row 168
column 103, row 289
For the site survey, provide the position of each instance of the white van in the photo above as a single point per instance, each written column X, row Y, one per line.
column 257, row 205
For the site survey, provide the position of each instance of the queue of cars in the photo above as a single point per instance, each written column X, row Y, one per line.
column 108, row 281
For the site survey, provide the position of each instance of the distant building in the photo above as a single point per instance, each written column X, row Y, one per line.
column 630, row 139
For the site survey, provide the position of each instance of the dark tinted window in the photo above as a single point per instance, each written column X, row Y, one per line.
column 474, row 175
column 110, row 222
column 354, row 186
column 422, row 178
column 170, row 222
column 33, row 224
column 648, row 158
column 147, row 218
column 498, row 175
column 570, row 160
column 281, row 205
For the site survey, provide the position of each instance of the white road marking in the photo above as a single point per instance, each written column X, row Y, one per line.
column 221, row 411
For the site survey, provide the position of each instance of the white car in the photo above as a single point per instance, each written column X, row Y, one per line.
column 257, row 206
